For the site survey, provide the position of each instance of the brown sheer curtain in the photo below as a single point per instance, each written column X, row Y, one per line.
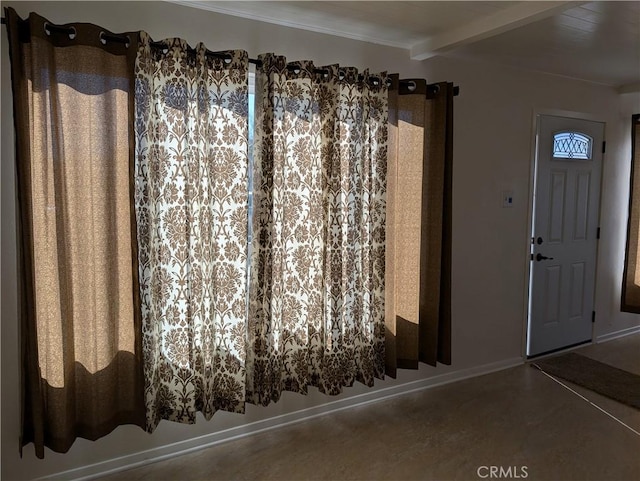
column 81, row 357
column 631, row 277
column 418, row 262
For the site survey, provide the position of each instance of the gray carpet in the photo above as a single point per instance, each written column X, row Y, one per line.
column 623, row 386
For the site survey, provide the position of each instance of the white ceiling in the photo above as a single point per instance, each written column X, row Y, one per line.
column 593, row 41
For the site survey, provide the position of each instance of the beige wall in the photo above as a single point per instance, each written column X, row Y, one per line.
column 613, row 219
column 492, row 152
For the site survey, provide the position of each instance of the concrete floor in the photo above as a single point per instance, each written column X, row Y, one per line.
column 517, row 419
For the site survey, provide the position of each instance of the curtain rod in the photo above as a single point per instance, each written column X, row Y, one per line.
column 456, row 89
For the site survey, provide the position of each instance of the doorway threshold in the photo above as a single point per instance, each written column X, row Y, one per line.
column 559, row 350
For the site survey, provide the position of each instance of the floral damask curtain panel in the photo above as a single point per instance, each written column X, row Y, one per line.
column 191, row 203
column 81, row 357
column 316, row 311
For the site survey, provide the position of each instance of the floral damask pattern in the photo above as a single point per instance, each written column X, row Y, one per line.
column 191, row 201
column 316, row 298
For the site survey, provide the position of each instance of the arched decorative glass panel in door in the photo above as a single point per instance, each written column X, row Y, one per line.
column 572, row 145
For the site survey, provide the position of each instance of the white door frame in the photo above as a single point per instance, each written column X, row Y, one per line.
column 530, row 205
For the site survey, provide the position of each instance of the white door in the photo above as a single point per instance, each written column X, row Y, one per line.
column 565, row 232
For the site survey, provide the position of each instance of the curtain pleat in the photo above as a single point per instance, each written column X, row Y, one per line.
column 80, row 344
column 418, row 265
column 435, row 273
column 316, row 310
column 444, row 98
column 406, row 158
column 191, row 204
column 631, row 278
column 391, row 351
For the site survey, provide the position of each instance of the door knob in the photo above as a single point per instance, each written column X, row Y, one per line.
column 540, row 257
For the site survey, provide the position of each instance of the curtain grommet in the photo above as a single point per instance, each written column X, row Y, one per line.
column 292, row 67
column 71, row 31
column 104, row 38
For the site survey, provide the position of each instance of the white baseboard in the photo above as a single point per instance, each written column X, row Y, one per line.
column 195, row 444
column 618, row 334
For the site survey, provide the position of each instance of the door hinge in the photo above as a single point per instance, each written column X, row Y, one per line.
column 604, row 146
column 598, row 233
column 593, row 316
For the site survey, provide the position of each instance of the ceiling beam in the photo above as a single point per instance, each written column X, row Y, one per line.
column 484, row 27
